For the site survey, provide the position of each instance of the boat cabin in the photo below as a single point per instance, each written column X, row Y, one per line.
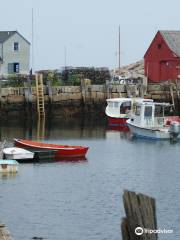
column 122, row 107
column 150, row 114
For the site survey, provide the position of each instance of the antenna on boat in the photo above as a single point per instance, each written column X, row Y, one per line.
column 32, row 44
column 119, row 51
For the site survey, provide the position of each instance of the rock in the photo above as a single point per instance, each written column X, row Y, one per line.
column 134, row 70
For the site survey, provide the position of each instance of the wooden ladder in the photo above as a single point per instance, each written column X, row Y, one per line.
column 40, row 95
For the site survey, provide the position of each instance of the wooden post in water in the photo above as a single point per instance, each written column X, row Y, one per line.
column 28, row 94
column 140, row 212
column 2, row 145
column 83, row 88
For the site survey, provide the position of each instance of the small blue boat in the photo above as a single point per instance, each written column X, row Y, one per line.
column 8, row 166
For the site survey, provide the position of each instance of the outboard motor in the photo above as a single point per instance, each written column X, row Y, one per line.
column 174, row 130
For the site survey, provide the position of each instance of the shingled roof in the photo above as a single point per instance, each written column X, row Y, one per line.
column 172, row 38
column 5, row 35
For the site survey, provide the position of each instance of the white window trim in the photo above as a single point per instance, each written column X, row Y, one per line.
column 18, row 68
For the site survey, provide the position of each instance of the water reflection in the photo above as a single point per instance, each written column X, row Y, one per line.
column 119, row 128
column 54, row 128
column 75, row 195
column 8, row 175
column 74, row 159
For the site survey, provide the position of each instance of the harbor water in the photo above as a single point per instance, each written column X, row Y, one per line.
column 82, row 200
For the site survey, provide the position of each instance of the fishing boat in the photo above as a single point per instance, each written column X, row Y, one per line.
column 149, row 121
column 8, row 166
column 118, row 110
column 19, row 154
column 60, row 150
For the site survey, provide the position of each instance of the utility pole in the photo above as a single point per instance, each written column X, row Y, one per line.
column 65, row 57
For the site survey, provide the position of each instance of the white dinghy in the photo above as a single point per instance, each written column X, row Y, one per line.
column 19, row 154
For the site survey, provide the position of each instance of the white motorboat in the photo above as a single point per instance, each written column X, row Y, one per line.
column 149, row 121
column 8, row 166
column 118, row 110
column 19, row 154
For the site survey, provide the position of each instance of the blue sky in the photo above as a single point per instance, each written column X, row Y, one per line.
column 89, row 29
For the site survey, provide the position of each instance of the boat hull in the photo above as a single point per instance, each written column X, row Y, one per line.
column 41, row 155
column 148, row 133
column 60, row 150
column 72, row 153
column 117, row 121
column 19, row 154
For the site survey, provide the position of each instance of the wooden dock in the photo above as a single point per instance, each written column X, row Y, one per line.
column 4, row 233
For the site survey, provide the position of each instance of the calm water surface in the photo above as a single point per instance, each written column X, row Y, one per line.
column 83, row 200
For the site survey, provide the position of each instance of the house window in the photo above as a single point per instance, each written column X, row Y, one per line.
column 13, row 68
column 16, row 46
column 159, row 46
column 16, row 67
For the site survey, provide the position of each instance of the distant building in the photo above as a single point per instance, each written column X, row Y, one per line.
column 14, row 53
column 162, row 59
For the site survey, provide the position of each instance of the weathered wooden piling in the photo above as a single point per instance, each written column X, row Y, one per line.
column 2, row 145
column 140, row 213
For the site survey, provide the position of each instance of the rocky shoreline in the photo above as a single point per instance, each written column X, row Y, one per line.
column 133, row 70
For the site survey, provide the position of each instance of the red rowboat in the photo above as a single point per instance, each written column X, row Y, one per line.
column 61, row 150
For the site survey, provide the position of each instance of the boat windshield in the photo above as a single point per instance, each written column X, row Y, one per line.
column 138, row 110
column 159, row 111
column 110, row 104
column 148, row 111
column 113, row 104
column 125, row 107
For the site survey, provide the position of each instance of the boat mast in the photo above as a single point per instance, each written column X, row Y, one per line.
column 32, row 46
column 119, row 52
column 65, row 57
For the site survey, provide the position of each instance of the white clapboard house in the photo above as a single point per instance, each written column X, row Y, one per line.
column 14, row 53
